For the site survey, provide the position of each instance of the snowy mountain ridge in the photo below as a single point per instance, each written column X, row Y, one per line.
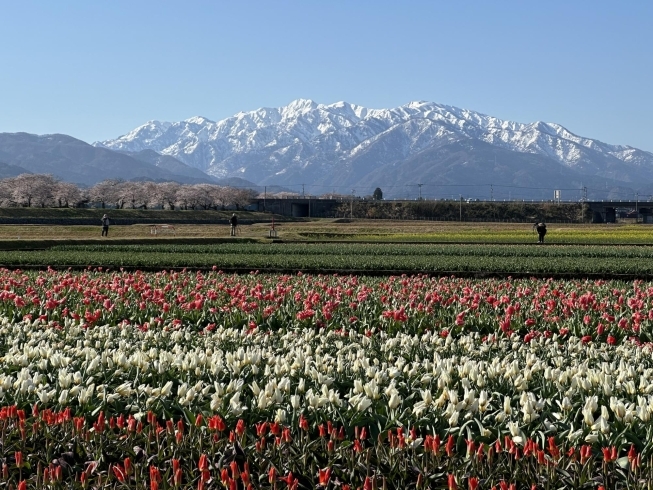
column 312, row 141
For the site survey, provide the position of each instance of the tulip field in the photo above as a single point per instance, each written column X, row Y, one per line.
column 360, row 258
column 209, row 380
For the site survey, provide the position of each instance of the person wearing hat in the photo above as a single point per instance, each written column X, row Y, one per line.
column 105, row 225
column 234, row 223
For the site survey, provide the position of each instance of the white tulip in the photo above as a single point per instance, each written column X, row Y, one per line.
column 216, row 402
column 95, row 362
column 280, row 416
column 427, row 397
column 592, row 437
column 573, row 435
column 63, row 397
column 219, row 388
column 334, row 398
column 124, row 390
column 43, row 395
column 630, row 414
column 85, row 394
column 112, row 397
column 167, row 389
column 363, row 404
column 295, row 401
column 262, row 401
column 507, row 408
column 513, row 427
column 482, row 401
column 358, row 386
column 566, row 404
column 284, row 384
column 372, row 390
column 395, row 401
column 549, row 426
column 255, row 388
column 234, row 403
column 27, row 386
column 618, row 409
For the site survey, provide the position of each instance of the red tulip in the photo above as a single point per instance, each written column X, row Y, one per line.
column 324, row 476
column 367, row 484
column 449, row 446
column 177, row 477
column 235, row 472
column 451, row 480
column 119, row 472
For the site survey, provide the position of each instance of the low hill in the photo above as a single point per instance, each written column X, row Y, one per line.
column 73, row 160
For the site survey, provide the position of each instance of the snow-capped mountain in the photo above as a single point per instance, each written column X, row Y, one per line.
column 344, row 145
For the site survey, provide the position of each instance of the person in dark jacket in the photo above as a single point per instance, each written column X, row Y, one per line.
column 541, row 231
column 234, row 224
column 105, row 225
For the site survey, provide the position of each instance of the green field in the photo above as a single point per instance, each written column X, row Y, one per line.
column 562, row 260
column 365, row 246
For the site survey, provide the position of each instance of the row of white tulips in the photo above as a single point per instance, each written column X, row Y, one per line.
column 485, row 387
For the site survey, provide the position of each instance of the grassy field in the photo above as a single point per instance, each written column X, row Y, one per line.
column 465, row 232
column 136, row 232
column 357, row 230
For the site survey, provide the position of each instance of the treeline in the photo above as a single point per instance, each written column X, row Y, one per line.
column 467, row 211
column 37, row 190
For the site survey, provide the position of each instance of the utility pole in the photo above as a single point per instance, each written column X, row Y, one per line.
column 420, row 191
column 461, row 207
column 351, row 206
column 492, row 188
column 303, row 195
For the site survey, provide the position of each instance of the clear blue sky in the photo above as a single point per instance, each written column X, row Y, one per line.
column 97, row 69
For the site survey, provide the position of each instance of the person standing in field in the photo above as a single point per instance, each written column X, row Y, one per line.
column 541, row 231
column 105, row 225
column 234, row 224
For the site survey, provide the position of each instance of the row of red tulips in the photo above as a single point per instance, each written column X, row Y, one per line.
column 61, row 450
column 595, row 310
